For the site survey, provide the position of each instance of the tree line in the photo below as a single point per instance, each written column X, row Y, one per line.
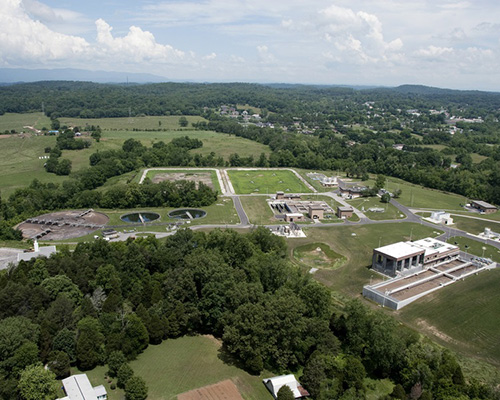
column 104, row 303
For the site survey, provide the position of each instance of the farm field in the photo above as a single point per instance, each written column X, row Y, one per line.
column 266, row 181
column 10, row 121
column 419, row 197
column 20, row 164
column 390, row 212
column 178, row 365
column 132, row 123
column 354, row 273
column 221, row 144
column 463, row 316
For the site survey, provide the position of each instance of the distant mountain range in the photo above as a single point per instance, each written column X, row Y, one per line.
column 15, row 75
column 10, row 76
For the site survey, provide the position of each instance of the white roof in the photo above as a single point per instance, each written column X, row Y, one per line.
column 277, row 382
column 78, row 387
column 398, row 250
column 100, row 390
column 294, row 215
column 432, row 246
column 429, row 245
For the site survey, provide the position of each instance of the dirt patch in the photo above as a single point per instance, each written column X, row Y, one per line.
column 5, row 136
column 63, row 224
column 224, row 390
column 214, row 339
column 205, row 177
column 424, row 325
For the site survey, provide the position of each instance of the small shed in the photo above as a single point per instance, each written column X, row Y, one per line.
column 275, row 383
column 344, row 212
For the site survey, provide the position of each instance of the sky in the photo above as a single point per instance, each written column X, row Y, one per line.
column 443, row 43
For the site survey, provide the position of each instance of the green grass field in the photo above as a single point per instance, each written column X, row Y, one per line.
column 20, row 164
column 463, row 316
column 10, row 121
column 258, row 210
column 354, row 273
column 475, row 226
column 266, row 182
column 138, row 123
column 390, row 212
column 419, row 197
column 179, row 365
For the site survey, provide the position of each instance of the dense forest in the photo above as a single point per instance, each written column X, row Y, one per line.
column 105, row 302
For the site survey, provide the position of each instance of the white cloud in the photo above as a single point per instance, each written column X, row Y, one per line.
column 211, row 56
column 24, row 39
column 357, row 34
column 136, row 46
column 434, row 52
column 265, row 56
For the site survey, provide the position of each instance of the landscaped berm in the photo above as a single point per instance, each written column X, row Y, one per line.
column 266, row 181
column 63, row 224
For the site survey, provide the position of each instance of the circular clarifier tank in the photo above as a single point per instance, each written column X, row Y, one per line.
column 187, row 213
column 140, row 217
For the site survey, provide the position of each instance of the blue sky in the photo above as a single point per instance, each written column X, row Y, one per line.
column 441, row 43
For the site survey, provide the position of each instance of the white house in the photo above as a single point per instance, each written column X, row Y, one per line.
column 78, row 387
column 274, row 385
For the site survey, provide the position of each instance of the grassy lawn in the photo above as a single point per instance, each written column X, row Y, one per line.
column 475, row 226
column 476, row 248
column 390, row 212
column 179, row 365
column 463, row 316
column 266, row 181
column 96, row 378
column 258, row 210
column 421, row 197
column 354, row 273
column 20, row 164
column 492, row 217
column 189, row 172
column 10, row 121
